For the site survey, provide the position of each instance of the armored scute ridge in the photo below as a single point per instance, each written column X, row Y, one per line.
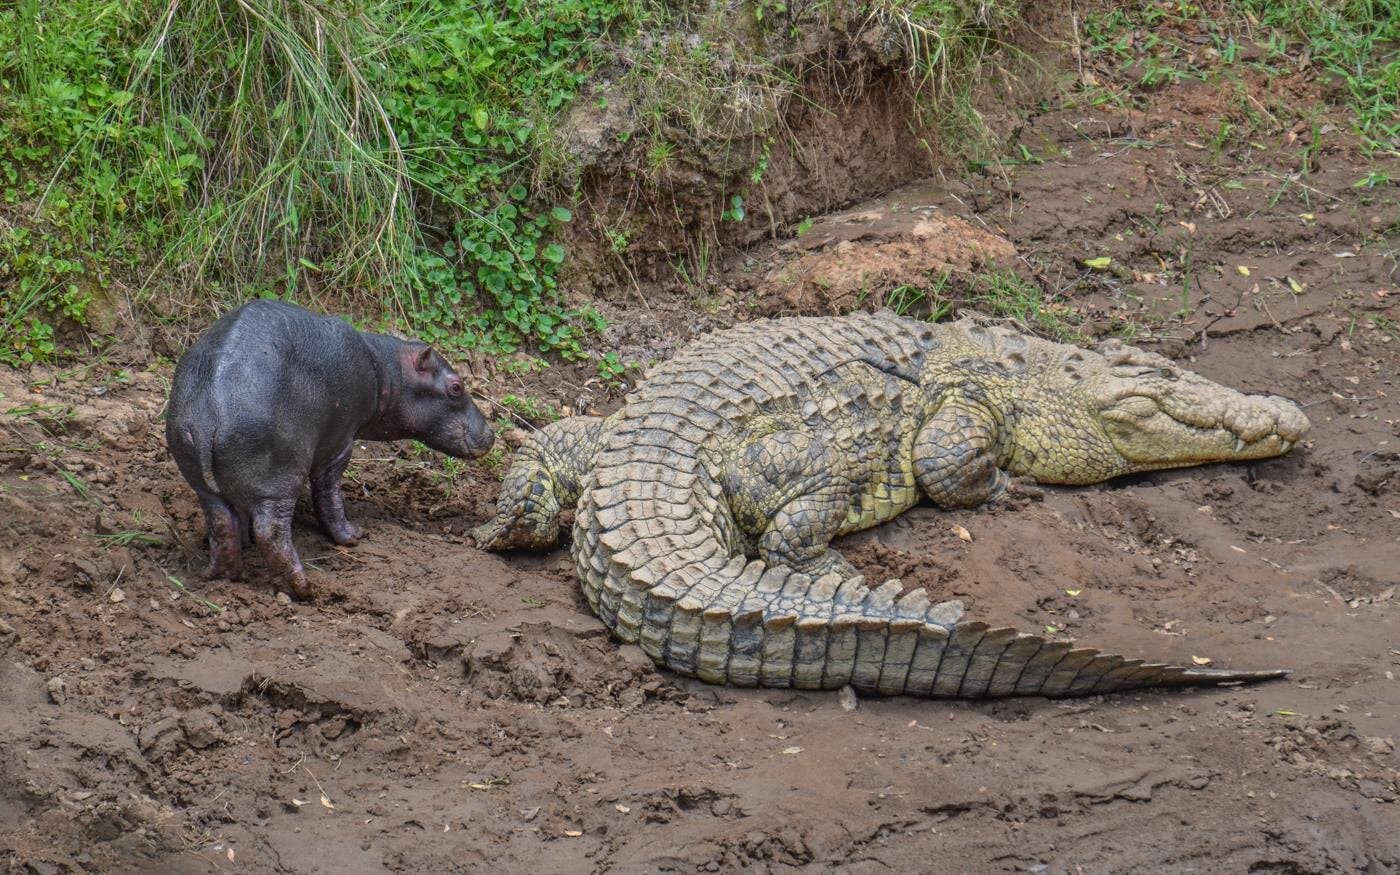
column 707, row 504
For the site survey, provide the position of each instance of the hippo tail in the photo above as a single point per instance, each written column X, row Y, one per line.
column 192, row 445
column 204, row 446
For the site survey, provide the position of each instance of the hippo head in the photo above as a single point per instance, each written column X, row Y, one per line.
column 434, row 407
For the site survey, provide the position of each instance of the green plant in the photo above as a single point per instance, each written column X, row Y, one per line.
column 735, row 212
column 389, row 148
column 611, row 368
column 1375, row 178
column 530, row 408
column 127, row 538
column 1353, row 41
column 1385, row 326
column 906, row 298
column 449, row 470
column 1186, row 279
column 178, row 584
column 1008, row 295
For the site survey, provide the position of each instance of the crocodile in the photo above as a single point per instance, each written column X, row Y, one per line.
column 706, row 505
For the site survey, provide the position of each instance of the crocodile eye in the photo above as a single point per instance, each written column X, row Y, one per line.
column 1167, row 374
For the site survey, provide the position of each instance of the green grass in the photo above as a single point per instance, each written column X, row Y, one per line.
column 1148, row 43
column 383, row 153
column 1006, row 294
column 127, row 538
column 403, row 160
column 998, row 294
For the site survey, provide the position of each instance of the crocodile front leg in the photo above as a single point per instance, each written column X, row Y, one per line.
column 955, row 456
column 544, row 480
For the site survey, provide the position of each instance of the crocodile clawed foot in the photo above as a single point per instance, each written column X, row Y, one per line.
column 1023, row 489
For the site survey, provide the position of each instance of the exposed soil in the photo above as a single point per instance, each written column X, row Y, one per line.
column 440, row 709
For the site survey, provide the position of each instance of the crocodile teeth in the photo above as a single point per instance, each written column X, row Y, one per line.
column 1239, row 445
column 1285, row 446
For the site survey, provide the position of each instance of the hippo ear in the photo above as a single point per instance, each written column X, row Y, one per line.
column 423, row 362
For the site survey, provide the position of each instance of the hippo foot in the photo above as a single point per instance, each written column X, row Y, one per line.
column 298, row 587
column 223, row 567
column 345, row 534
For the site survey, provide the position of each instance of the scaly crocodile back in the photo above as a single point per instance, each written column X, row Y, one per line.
column 658, row 552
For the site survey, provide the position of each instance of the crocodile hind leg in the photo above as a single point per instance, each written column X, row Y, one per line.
column 955, row 456
column 790, row 499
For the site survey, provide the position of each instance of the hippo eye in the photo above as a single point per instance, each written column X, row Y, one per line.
column 1167, row 374
column 454, row 388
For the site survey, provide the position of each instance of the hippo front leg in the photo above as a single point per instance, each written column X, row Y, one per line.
column 955, row 458
column 328, row 501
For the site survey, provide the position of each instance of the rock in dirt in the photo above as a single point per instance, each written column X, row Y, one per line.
column 849, row 702
column 58, row 689
column 201, row 729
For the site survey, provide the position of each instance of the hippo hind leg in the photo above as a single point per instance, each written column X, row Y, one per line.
column 272, row 529
column 225, row 528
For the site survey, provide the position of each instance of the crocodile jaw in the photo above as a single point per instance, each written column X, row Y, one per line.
column 1169, row 419
column 1126, row 410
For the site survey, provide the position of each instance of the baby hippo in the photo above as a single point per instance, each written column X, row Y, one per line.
column 273, row 394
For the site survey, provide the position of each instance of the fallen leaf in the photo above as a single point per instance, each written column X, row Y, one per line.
column 1306, row 217
column 623, row 808
column 1201, row 660
column 229, row 853
column 1237, row 549
column 1189, row 226
column 1284, row 712
column 325, row 800
column 1073, row 592
column 116, row 597
column 961, row 532
column 1296, row 286
column 792, row 751
column 1051, row 630
column 573, row 833
column 300, row 802
column 1244, row 271
column 1100, row 263
column 477, row 786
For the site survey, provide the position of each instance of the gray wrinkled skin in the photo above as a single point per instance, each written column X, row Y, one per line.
column 273, row 395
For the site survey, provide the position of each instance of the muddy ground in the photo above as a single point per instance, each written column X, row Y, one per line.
column 439, row 709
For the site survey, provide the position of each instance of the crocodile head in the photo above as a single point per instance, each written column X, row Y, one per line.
column 1123, row 410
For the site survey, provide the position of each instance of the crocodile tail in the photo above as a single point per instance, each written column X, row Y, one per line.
column 792, row 631
column 728, row 620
